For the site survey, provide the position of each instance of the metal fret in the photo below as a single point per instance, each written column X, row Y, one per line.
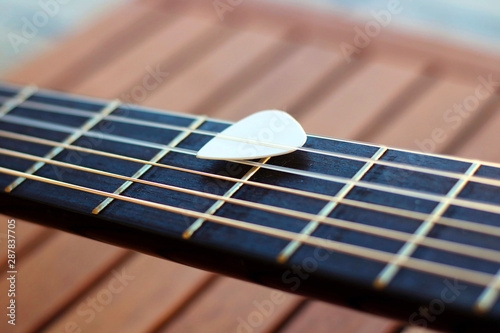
column 390, row 270
column 489, row 296
column 18, row 99
column 69, row 140
column 218, row 204
column 162, row 153
column 290, row 249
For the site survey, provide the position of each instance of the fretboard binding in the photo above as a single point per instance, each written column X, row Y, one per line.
column 466, row 275
column 471, row 226
column 391, row 269
column 133, row 121
column 338, row 179
column 293, row 246
column 161, row 154
column 74, row 135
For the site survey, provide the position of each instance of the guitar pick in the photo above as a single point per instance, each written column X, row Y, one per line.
column 262, row 134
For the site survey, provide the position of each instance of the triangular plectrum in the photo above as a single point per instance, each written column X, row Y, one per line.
column 262, row 134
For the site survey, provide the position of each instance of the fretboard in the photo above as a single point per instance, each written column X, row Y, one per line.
column 377, row 228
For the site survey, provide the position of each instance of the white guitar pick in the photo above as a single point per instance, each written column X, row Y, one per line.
column 262, row 134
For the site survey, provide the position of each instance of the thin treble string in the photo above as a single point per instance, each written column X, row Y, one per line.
column 471, row 226
column 449, row 246
column 466, row 275
column 338, row 179
column 69, row 111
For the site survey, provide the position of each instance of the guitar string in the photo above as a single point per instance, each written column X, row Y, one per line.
column 450, row 246
column 461, row 224
column 433, row 268
column 450, row 174
column 64, row 96
column 466, row 203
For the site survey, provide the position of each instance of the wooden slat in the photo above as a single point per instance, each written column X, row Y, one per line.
column 327, row 28
column 62, row 60
column 283, row 86
column 322, row 317
column 484, row 143
column 234, row 306
column 132, row 297
column 425, row 120
column 155, row 51
column 49, row 277
column 347, row 110
column 210, row 74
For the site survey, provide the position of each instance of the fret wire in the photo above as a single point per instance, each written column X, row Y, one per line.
column 450, row 174
column 75, row 135
column 489, row 296
column 14, row 101
column 161, row 154
column 293, row 246
column 463, row 274
column 390, row 270
column 467, row 225
column 374, row 186
column 449, row 246
column 188, row 233
column 144, row 109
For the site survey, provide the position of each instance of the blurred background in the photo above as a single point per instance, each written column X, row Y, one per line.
column 400, row 73
column 475, row 23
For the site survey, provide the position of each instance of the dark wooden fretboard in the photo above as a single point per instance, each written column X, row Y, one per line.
column 380, row 229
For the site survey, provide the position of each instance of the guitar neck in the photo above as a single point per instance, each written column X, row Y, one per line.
column 379, row 229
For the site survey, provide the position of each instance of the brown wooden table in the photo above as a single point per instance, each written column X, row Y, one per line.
column 259, row 56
